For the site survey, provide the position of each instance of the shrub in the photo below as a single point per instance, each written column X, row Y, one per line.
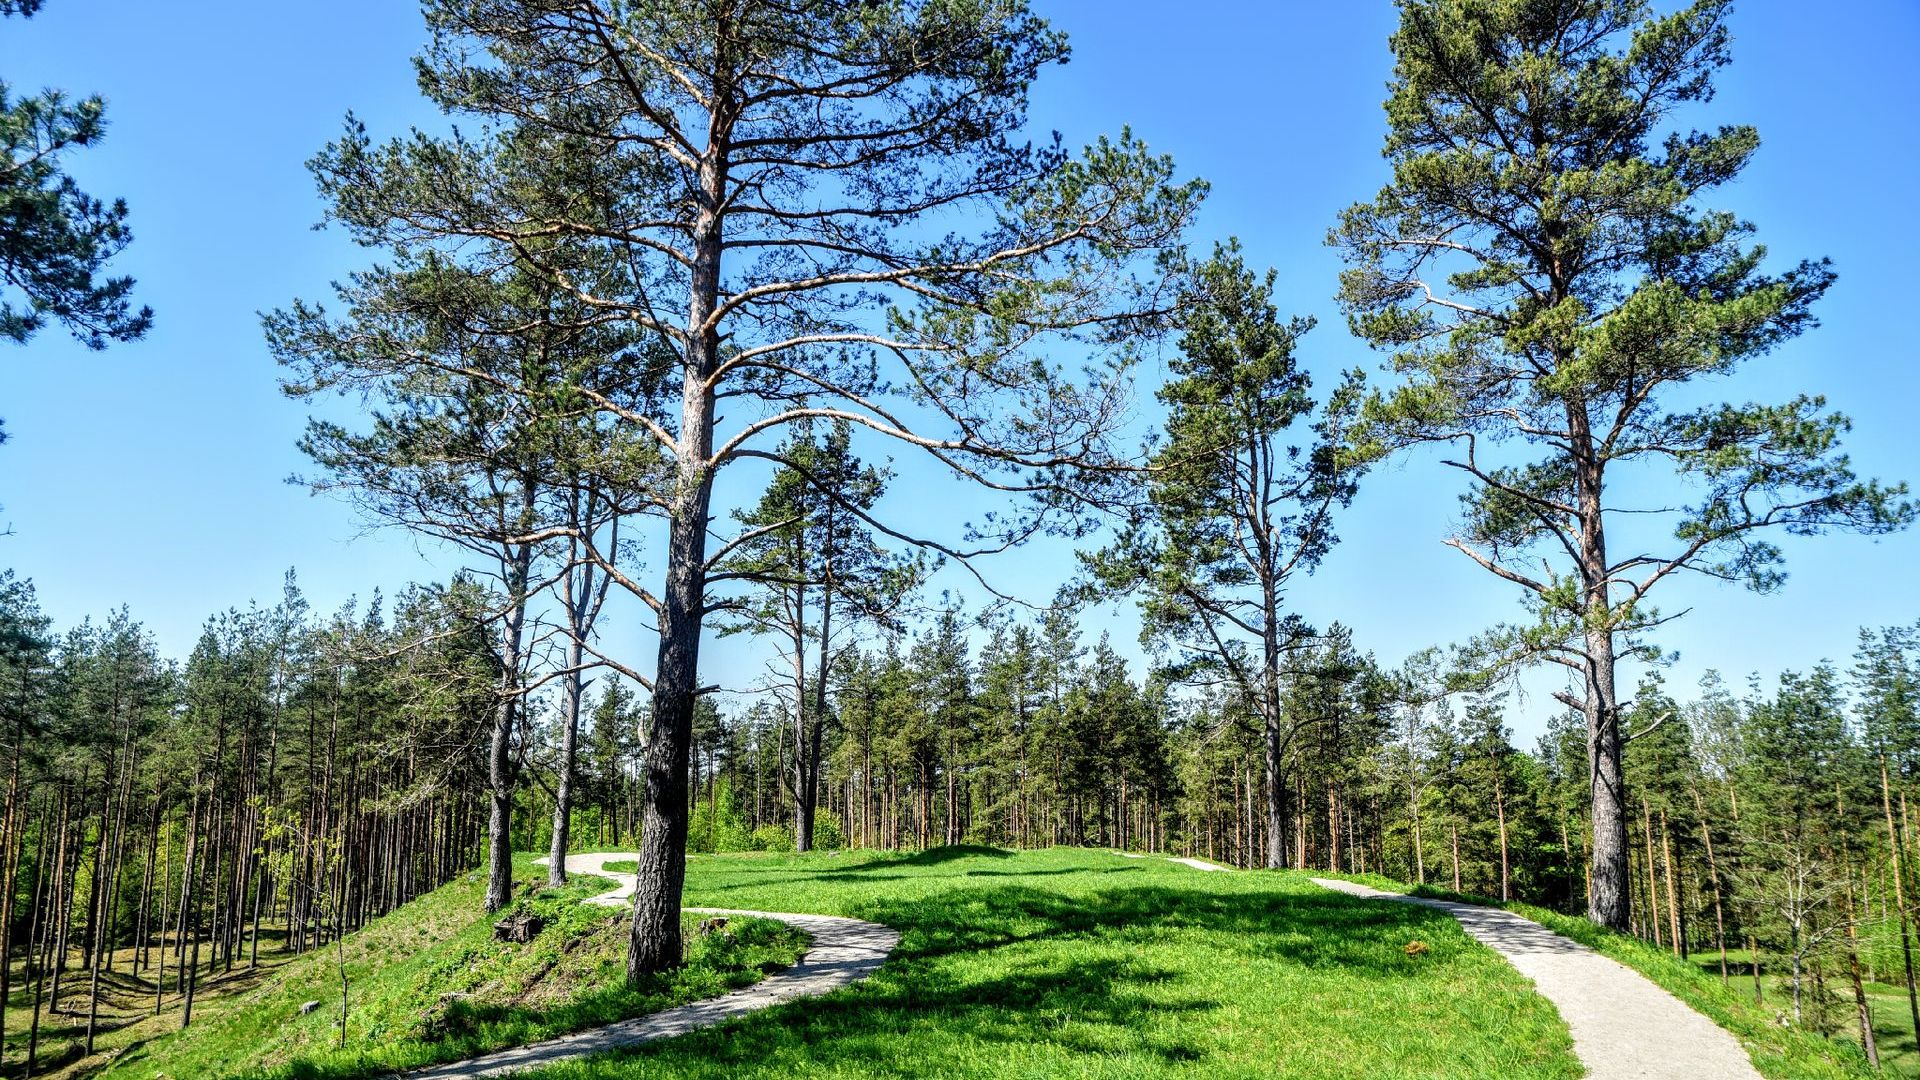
column 772, row 837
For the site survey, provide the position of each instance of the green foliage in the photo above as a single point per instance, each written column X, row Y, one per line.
column 770, row 838
column 1552, row 287
column 58, row 239
column 827, row 835
column 716, row 823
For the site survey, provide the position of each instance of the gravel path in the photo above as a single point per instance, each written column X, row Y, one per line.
column 1197, row 864
column 1624, row 1027
column 843, row 952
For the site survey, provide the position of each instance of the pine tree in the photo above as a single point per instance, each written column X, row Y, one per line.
column 58, row 240
column 1546, row 276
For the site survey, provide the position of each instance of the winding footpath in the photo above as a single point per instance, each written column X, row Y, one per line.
column 843, row 952
column 1624, row 1027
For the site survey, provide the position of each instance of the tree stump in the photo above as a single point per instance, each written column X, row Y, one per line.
column 519, row 929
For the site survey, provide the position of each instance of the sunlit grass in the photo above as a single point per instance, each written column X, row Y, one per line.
column 1082, row 964
column 1778, row 1050
column 428, row 984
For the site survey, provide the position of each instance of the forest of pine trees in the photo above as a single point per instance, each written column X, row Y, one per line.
column 666, row 307
column 297, row 775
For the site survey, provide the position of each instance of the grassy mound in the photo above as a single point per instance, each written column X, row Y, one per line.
column 1777, row 1050
column 429, row 984
column 1070, row 963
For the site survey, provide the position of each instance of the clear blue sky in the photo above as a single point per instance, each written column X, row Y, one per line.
column 153, row 475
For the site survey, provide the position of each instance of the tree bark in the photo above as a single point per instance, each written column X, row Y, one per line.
column 1609, row 898
column 500, row 744
column 655, row 944
column 1896, row 852
column 1500, row 811
column 571, row 687
column 1673, row 888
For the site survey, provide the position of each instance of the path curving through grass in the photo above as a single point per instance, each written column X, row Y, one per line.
column 1623, row 1025
column 843, row 952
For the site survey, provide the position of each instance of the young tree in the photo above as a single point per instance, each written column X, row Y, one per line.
column 780, row 178
column 1547, row 278
column 472, row 372
column 817, row 575
column 1234, row 510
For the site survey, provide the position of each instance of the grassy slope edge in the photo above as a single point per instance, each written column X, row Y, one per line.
column 1780, row 1052
column 428, row 984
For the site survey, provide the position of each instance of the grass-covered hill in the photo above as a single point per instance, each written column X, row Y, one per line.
column 1060, row 963
column 428, row 983
column 1071, row 963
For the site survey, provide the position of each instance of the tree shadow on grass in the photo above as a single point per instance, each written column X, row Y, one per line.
column 930, row 857
column 976, row 965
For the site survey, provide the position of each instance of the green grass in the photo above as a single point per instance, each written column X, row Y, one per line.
column 1777, row 1050
column 429, row 984
column 1069, row 963
column 1892, row 1022
column 1893, row 1029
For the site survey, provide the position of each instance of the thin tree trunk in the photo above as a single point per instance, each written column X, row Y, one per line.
column 1713, row 877
column 1653, row 879
column 1673, row 900
column 1896, row 852
column 499, row 749
column 1454, row 828
column 571, row 688
column 1500, row 810
column 1862, row 1010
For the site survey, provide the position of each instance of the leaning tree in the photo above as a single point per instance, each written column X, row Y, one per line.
column 831, row 211
column 1558, row 299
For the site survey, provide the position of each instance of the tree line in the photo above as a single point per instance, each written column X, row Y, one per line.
column 296, row 776
column 731, row 246
column 290, row 779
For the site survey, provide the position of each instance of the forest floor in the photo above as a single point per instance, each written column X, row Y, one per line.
column 132, row 1009
column 427, row 984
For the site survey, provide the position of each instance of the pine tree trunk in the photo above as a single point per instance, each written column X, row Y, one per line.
column 1500, row 810
column 1863, row 1011
column 571, row 689
column 1896, row 853
column 506, row 712
column 1653, row 879
column 1713, row 877
column 1609, row 900
column 1673, row 900
column 655, row 944
column 1454, row 828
